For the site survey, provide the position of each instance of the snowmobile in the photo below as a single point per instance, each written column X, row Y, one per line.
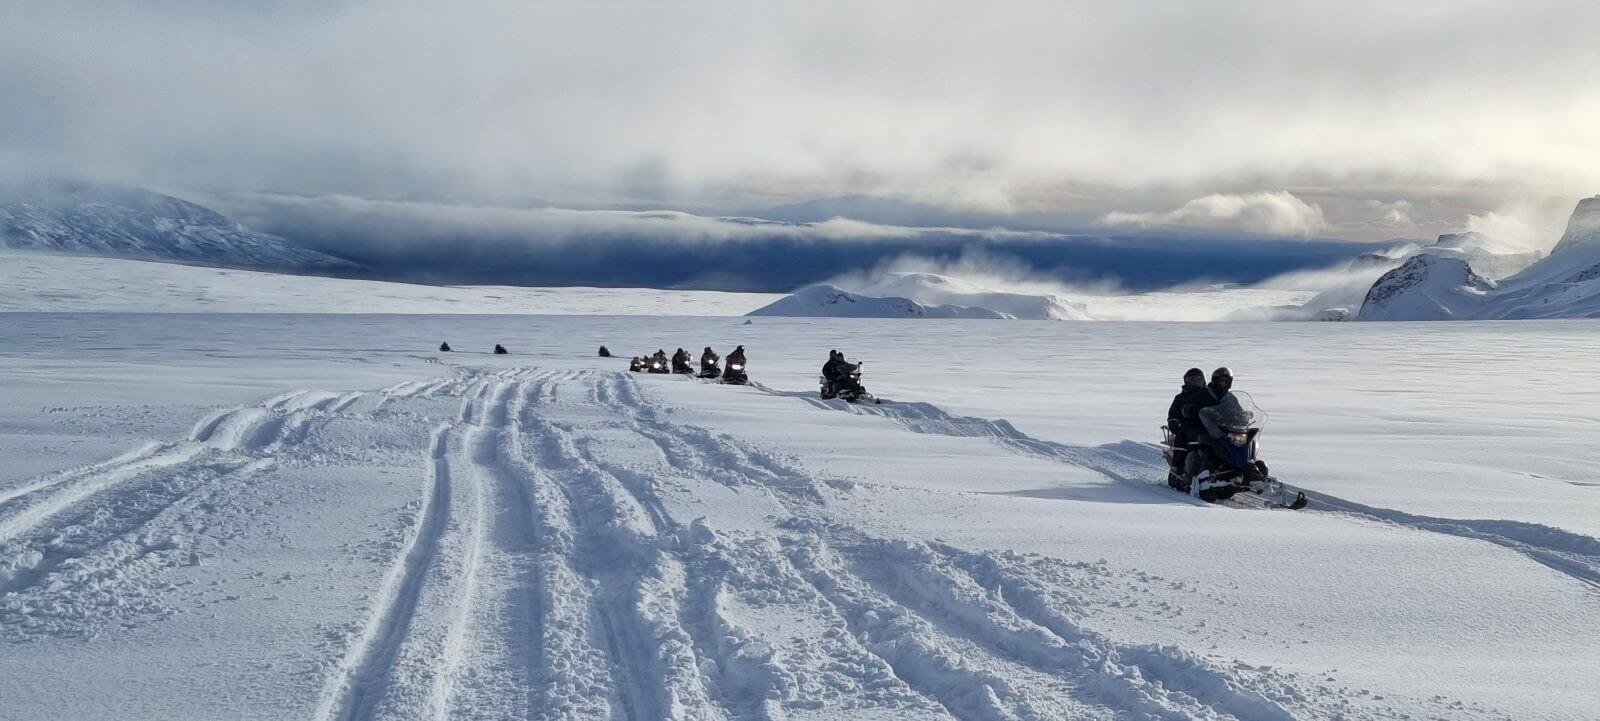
column 680, row 362
column 734, row 374
column 1223, row 462
column 848, row 387
column 710, row 367
column 658, row 364
column 605, row 352
column 638, row 365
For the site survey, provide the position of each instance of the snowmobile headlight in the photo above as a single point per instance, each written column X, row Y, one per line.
column 1239, row 439
column 737, row 366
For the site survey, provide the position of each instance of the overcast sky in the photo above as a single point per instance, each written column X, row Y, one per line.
column 1341, row 118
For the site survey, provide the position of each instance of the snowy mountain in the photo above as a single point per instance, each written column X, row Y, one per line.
column 1428, row 286
column 1583, row 226
column 934, row 289
column 1455, row 280
column 831, row 301
column 125, row 222
column 921, row 295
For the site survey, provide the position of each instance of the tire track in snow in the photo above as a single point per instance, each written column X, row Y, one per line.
column 245, row 430
column 1127, row 462
column 618, row 549
column 896, row 597
column 362, row 673
column 575, row 677
column 1572, row 554
column 1139, row 679
column 1575, row 555
column 688, row 577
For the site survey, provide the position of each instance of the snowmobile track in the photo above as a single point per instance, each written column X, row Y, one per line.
column 364, row 668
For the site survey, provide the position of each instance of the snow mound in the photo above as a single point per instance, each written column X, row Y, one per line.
column 124, row 222
column 831, row 301
column 935, row 289
column 1427, row 286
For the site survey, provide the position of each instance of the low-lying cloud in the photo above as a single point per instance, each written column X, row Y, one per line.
column 1274, row 212
column 444, row 243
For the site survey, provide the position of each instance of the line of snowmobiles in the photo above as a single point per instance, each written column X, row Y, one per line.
column 680, row 363
column 1218, row 464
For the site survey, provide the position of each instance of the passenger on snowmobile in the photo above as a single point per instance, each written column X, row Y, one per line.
column 605, row 352
column 831, row 369
column 708, row 364
column 1227, row 450
column 444, row 347
column 680, row 362
column 500, row 349
column 1183, row 421
column 842, row 379
column 734, row 374
column 658, row 362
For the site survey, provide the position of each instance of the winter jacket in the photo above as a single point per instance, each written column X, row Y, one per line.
column 1182, row 415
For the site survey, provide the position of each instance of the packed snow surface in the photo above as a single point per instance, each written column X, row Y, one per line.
column 316, row 517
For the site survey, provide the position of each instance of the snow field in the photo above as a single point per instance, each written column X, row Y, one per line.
column 556, row 539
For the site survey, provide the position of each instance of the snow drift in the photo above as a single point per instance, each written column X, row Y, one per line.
column 123, row 222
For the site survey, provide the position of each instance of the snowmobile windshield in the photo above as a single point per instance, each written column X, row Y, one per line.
column 1238, row 413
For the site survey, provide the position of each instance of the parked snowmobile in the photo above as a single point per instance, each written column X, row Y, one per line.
column 710, row 364
column 680, row 362
column 847, row 385
column 734, row 374
column 1223, row 461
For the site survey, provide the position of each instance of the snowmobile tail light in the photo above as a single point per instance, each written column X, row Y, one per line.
column 1239, row 439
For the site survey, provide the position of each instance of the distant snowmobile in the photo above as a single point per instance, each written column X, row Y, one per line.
column 680, row 362
column 605, row 352
column 638, row 364
column 847, row 385
column 658, row 363
column 734, row 374
column 1223, row 461
column 500, row 349
column 444, row 347
column 709, row 364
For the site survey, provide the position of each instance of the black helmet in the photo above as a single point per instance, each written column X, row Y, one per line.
column 1194, row 377
column 1222, row 377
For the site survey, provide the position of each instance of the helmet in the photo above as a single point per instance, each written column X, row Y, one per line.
column 1194, row 377
column 1222, row 377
